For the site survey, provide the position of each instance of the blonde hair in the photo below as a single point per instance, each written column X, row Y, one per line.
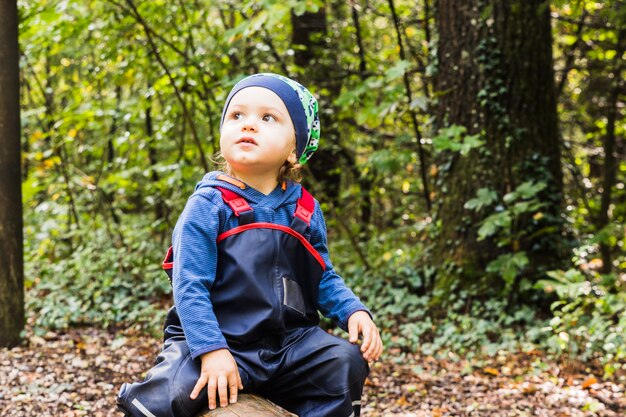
column 288, row 172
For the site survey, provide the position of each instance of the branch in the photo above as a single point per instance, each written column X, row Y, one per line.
column 578, row 176
column 49, row 128
column 359, row 41
column 207, row 89
column 139, row 19
column 418, row 135
column 343, row 226
column 267, row 39
column 157, row 55
column 569, row 61
column 591, row 24
column 370, row 131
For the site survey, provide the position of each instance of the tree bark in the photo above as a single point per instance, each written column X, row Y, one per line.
column 314, row 54
column 11, row 246
column 249, row 405
column 495, row 78
column 309, row 31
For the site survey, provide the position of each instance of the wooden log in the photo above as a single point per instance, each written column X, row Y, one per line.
column 249, row 405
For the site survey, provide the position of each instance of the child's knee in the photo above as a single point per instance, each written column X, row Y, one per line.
column 166, row 389
column 351, row 359
column 343, row 369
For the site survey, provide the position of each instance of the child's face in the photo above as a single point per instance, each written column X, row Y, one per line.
column 257, row 135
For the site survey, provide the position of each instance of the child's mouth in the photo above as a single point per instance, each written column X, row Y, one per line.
column 249, row 140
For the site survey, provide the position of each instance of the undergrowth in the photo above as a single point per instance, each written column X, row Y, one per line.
column 586, row 322
column 89, row 277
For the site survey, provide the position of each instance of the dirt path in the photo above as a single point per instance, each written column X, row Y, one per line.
column 79, row 372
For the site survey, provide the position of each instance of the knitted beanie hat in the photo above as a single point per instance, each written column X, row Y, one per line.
column 300, row 103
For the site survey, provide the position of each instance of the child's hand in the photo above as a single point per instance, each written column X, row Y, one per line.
column 361, row 323
column 220, row 375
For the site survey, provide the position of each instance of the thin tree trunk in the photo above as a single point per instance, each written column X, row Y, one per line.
column 11, row 246
column 159, row 208
column 610, row 162
column 308, row 37
column 365, row 183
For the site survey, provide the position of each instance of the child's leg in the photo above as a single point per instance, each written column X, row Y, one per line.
column 166, row 389
column 321, row 375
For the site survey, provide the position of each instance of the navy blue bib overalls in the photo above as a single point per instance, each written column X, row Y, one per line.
column 264, row 297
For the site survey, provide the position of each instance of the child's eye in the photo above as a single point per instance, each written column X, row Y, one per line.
column 268, row 118
column 236, row 115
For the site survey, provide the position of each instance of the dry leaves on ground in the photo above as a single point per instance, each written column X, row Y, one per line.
column 78, row 373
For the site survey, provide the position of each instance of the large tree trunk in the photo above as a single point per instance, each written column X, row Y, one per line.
column 12, row 270
column 495, row 77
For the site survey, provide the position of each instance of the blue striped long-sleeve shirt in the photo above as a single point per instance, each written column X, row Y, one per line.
column 204, row 218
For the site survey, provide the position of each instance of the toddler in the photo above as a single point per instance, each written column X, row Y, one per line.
column 250, row 270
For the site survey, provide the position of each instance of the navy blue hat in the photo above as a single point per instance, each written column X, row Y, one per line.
column 300, row 103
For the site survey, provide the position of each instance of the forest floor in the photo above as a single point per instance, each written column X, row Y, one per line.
column 78, row 373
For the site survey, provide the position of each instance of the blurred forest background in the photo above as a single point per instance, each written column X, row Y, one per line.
column 471, row 168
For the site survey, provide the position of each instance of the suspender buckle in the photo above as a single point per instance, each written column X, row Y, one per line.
column 239, row 205
column 303, row 214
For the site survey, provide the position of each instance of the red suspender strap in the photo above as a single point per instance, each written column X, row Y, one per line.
column 168, row 262
column 305, row 207
column 237, row 204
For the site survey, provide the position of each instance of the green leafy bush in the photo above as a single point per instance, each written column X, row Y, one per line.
column 398, row 288
column 589, row 317
column 88, row 277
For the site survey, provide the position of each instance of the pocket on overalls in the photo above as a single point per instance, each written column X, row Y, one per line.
column 293, row 297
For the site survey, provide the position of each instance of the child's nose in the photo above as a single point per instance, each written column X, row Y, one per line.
column 250, row 124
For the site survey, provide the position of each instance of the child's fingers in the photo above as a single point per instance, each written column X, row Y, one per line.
column 199, row 385
column 367, row 339
column 233, row 384
column 211, row 388
column 370, row 349
column 353, row 330
column 378, row 350
column 222, row 389
column 375, row 346
column 239, row 383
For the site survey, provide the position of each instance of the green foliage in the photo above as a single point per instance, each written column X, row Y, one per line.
column 482, row 329
column 454, row 138
column 98, row 281
column 589, row 317
column 500, row 226
column 508, row 266
column 397, row 289
column 484, row 198
column 120, row 114
column 522, row 201
column 378, row 96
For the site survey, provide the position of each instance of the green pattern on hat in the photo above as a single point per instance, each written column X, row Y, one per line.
column 310, row 106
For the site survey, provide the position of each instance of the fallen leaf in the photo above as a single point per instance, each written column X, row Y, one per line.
column 589, row 382
column 402, row 401
column 530, row 389
column 491, row 371
column 438, row 412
